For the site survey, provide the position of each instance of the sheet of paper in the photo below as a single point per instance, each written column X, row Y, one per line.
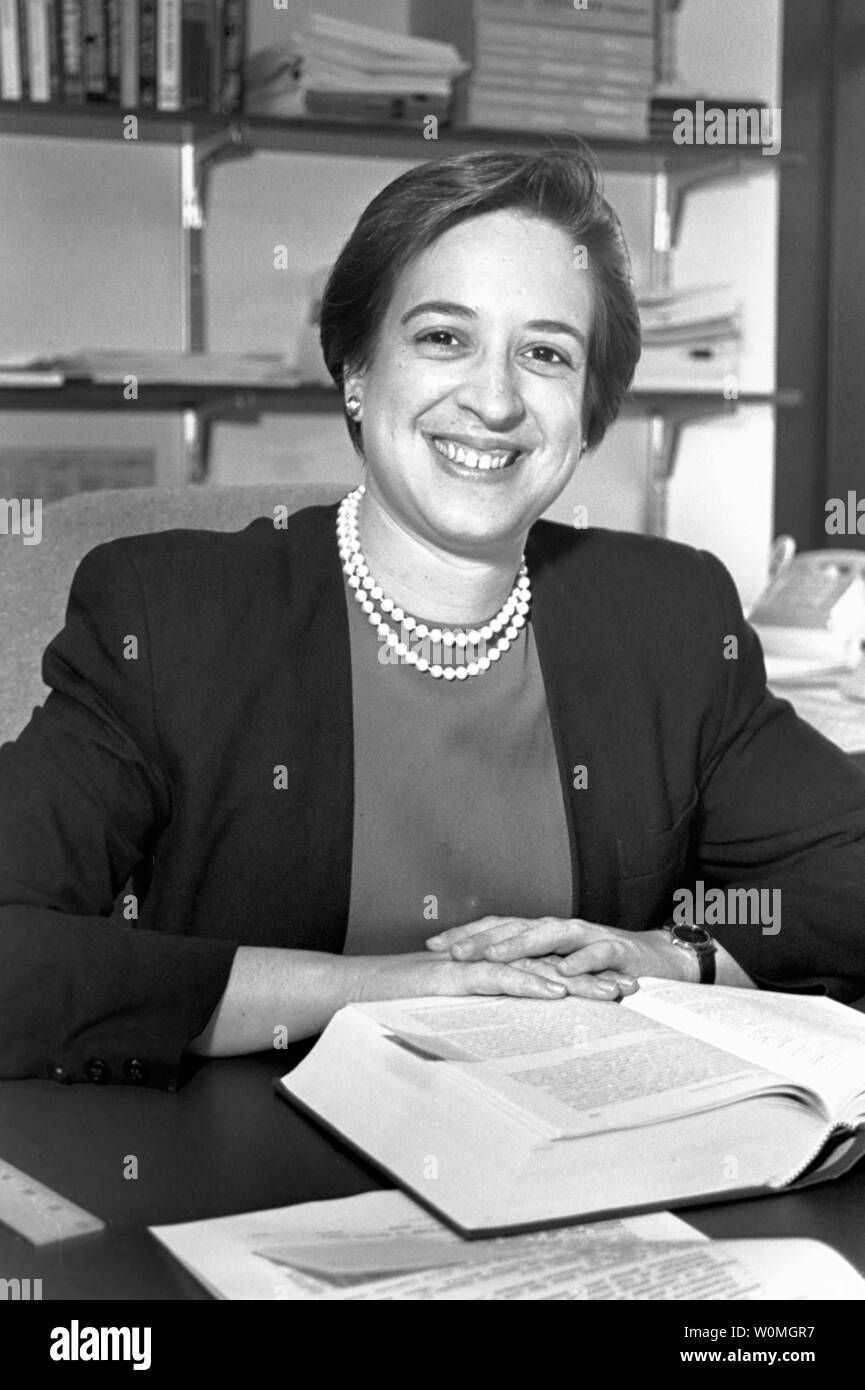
column 745, row 1270
column 347, row 1245
column 245, row 1257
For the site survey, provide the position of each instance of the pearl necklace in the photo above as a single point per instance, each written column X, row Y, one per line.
column 508, row 622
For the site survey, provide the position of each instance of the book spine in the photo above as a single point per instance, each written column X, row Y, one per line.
column 216, row 53
column 11, row 85
column 72, row 51
column 197, row 29
column 529, row 82
column 147, row 52
column 575, row 106
column 24, row 48
column 608, row 127
column 39, row 57
column 233, row 56
column 129, row 53
column 635, row 50
column 535, row 67
column 168, row 34
column 112, row 49
column 55, row 49
column 95, row 62
column 635, row 17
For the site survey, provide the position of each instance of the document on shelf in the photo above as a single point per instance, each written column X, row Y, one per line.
column 381, row 1246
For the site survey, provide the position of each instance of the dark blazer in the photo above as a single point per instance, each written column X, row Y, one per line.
column 163, row 760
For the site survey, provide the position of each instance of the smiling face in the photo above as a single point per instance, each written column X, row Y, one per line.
column 472, row 402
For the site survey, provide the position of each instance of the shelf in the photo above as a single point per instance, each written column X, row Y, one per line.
column 204, row 140
column 319, row 400
column 305, row 135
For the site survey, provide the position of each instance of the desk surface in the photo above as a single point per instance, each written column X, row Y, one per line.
column 227, row 1143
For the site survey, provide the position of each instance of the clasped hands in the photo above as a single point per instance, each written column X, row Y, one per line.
column 560, row 957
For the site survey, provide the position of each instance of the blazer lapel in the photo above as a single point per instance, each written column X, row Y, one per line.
column 322, row 770
column 571, row 644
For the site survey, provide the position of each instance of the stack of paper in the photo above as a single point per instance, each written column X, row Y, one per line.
column 353, row 70
column 691, row 338
column 157, row 368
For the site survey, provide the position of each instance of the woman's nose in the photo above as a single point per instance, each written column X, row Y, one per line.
column 491, row 391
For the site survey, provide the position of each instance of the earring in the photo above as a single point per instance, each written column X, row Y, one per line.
column 352, row 405
column 583, row 447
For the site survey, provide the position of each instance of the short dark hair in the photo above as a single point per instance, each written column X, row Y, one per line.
column 408, row 215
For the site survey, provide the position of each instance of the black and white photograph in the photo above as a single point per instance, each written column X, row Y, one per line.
column 432, row 687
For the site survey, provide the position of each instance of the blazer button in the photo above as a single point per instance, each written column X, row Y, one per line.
column 59, row 1074
column 97, row 1070
column 134, row 1071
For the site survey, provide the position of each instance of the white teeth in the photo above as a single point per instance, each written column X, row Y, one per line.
column 469, row 458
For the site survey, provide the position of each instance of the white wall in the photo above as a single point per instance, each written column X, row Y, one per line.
column 89, row 256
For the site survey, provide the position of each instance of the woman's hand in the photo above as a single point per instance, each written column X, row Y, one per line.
column 425, row 972
column 593, row 961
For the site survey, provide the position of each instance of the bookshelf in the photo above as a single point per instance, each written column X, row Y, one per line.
column 205, row 140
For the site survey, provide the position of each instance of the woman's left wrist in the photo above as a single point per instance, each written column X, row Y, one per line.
column 685, row 964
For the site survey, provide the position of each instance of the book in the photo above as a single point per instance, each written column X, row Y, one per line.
column 55, row 49
column 522, row 113
column 113, row 50
column 504, row 1114
column 130, row 53
column 198, row 26
column 39, row 24
column 11, row 74
column 72, row 52
column 625, row 16
column 382, row 1246
column 635, row 49
column 24, row 48
column 573, row 104
column 531, row 69
column 147, row 53
column 232, row 41
column 168, row 58
column 372, row 106
column 95, row 51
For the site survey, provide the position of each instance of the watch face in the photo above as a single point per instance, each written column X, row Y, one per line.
column 696, row 937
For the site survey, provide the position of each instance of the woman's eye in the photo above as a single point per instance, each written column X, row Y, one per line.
column 439, row 337
column 549, row 355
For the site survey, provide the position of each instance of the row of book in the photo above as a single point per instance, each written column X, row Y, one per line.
column 541, row 64
column 172, row 55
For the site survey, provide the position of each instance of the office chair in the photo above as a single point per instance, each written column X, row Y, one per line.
column 35, row 579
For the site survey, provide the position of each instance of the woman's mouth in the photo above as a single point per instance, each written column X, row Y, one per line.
column 485, row 461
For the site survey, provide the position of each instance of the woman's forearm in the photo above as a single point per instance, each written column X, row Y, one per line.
column 274, row 996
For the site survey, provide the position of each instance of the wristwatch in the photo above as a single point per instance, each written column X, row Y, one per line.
column 699, row 943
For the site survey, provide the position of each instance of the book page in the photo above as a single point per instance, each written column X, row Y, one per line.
column 583, row 1065
column 817, row 1042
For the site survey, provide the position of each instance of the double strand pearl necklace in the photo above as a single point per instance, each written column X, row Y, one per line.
column 505, row 627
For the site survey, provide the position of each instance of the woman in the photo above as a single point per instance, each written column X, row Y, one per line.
column 377, row 753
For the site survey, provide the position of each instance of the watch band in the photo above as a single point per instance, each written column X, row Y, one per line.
column 700, row 944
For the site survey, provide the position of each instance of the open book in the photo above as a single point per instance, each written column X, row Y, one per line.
column 510, row 1113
